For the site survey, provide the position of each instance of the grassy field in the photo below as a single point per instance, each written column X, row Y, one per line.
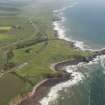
column 6, row 37
column 5, row 28
column 28, row 26
column 42, row 55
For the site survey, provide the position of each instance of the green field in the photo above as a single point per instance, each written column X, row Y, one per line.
column 30, row 41
column 5, row 28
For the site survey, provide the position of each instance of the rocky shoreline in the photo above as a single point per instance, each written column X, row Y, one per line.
column 42, row 88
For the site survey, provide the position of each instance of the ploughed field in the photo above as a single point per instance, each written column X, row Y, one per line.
column 28, row 46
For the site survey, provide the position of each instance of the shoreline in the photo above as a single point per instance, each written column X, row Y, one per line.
column 59, row 28
column 58, row 23
column 42, row 88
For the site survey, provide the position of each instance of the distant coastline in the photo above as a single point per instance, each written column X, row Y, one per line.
column 59, row 27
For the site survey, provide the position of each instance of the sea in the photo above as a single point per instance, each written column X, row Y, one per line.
column 82, row 22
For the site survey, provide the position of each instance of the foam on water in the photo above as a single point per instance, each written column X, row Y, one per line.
column 77, row 78
column 59, row 27
column 65, row 8
column 73, row 70
column 53, row 94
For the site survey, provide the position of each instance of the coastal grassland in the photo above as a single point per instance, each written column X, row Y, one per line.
column 53, row 50
column 41, row 56
column 39, row 67
column 38, row 56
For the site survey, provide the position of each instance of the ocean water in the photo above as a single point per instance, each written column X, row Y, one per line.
column 90, row 91
column 83, row 22
column 86, row 88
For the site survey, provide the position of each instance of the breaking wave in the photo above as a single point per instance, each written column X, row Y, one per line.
column 73, row 69
column 77, row 77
